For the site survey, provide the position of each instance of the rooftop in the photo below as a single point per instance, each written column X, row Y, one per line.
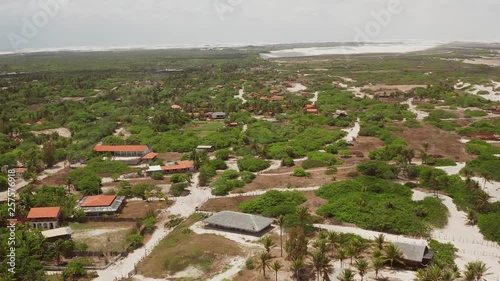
column 56, row 232
column 413, row 252
column 98, row 201
column 44, row 213
column 179, row 165
column 150, row 155
column 240, row 221
column 113, row 207
column 120, row 148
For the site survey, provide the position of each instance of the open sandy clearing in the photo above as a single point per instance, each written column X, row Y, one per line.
column 297, row 87
column 63, row 132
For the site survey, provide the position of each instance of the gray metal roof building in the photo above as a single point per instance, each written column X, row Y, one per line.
column 414, row 253
column 239, row 221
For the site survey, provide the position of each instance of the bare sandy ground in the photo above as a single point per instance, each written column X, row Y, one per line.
column 494, row 62
column 297, row 87
column 63, row 132
column 413, row 109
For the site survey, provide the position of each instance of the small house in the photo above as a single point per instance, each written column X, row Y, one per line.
column 218, row 115
column 415, row 255
column 123, row 150
column 18, row 172
column 55, row 234
column 173, row 168
column 205, row 147
column 44, row 217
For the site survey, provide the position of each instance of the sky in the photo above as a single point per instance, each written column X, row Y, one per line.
column 41, row 24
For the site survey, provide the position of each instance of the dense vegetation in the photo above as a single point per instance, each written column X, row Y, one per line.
column 381, row 205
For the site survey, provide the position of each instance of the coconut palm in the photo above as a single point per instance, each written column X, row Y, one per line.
column 296, row 266
column 377, row 264
column 341, row 256
column 281, row 222
column 320, row 263
column 320, row 245
column 476, row 270
column 393, row 254
column 302, row 213
column 346, row 275
column 276, row 266
column 263, row 262
column 362, row 267
column 332, row 238
column 268, row 243
column 380, row 241
column 351, row 252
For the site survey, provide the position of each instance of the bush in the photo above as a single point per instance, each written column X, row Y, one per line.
column 218, row 164
column 247, row 177
column 252, row 164
column 379, row 169
column 230, row 174
column 272, row 199
column 134, row 241
column 177, row 189
column 287, row 162
column 249, row 264
column 444, row 253
column 489, row 226
column 149, row 224
column 223, row 186
column 474, row 113
column 331, row 171
column 300, row 172
column 441, row 162
column 222, row 154
column 157, row 176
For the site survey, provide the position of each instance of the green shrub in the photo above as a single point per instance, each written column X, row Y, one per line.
column 489, row 226
column 444, row 253
column 134, row 241
column 157, row 176
column 331, row 171
column 230, row 174
column 222, row 154
column 377, row 169
column 247, row 177
column 441, row 162
column 249, row 264
column 288, row 162
column 272, row 200
column 177, row 189
column 300, row 172
column 474, row 113
column 252, row 164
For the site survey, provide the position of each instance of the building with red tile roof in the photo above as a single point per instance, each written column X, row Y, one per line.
column 123, row 150
column 173, row 168
column 277, row 98
column 312, row 110
column 44, row 217
column 99, row 205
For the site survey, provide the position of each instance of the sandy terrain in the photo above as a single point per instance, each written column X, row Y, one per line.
column 297, row 87
column 440, row 142
column 413, row 109
column 494, row 62
column 63, row 132
column 492, row 95
column 314, row 99
column 241, row 94
column 352, row 133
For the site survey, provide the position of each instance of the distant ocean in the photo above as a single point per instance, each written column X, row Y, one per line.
column 338, row 48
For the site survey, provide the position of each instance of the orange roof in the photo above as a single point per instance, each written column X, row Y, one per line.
column 98, row 201
column 44, row 213
column 312, row 110
column 304, row 93
column 309, row 106
column 175, row 106
column 116, row 148
column 233, row 124
column 277, row 98
column 179, row 165
column 150, row 155
column 20, row 170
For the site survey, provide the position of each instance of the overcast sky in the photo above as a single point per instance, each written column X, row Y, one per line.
column 73, row 23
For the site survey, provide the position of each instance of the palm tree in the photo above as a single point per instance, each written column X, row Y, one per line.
column 297, row 266
column 346, row 275
column 268, row 243
column 263, row 262
column 476, row 270
column 393, row 254
column 380, row 241
column 351, row 251
column 320, row 262
column 276, row 266
column 332, row 238
column 320, row 245
column 377, row 264
column 362, row 266
column 302, row 213
column 281, row 222
column 341, row 256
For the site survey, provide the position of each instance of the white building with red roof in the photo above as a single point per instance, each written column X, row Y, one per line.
column 173, row 168
column 44, row 217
